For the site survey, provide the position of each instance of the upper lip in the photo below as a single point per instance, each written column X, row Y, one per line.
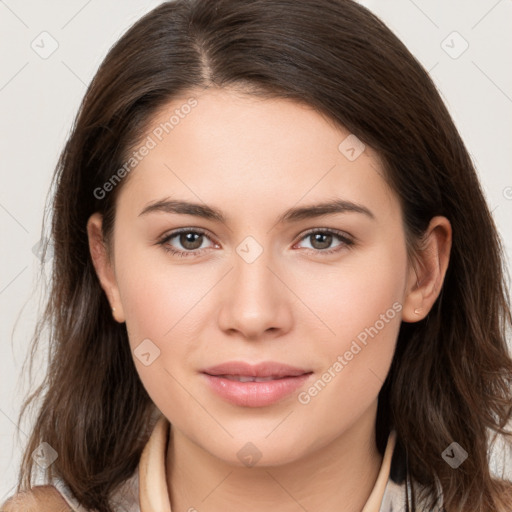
column 264, row 369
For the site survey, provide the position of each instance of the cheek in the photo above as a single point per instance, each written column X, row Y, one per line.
column 156, row 304
column 354, row 295
column 362, row 310
column 149, row 304
column 155, row 292
column 165, row 306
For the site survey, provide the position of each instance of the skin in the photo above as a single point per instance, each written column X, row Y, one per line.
column 253, row 159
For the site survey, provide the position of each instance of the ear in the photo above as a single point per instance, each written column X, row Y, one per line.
column 426, row 274
column 103, row 264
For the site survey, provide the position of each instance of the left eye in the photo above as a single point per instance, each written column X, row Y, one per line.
column 192, row 241
column 323, row 238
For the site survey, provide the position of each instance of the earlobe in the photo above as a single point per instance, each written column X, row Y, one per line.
column 103, row 265
column 426, row 277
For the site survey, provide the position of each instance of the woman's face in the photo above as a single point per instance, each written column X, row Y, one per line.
column 258, row 286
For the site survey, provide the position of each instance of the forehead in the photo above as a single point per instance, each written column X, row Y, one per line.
column 226, row 147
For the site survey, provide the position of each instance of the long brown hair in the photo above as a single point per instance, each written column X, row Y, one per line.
column 451, row 374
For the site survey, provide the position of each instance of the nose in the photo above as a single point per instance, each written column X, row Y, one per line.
column 255, row 300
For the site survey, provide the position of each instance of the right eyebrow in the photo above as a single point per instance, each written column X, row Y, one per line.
column 184, row 208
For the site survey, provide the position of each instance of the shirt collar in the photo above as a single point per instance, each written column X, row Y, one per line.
column 153, row 491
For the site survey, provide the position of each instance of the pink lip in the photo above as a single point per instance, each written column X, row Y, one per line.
column 255, row 394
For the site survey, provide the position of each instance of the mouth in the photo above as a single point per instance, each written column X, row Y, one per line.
column 260, row 385
column 246, row 378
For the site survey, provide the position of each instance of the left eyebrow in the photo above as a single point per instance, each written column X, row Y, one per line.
column 328, row 208
column 294, row 214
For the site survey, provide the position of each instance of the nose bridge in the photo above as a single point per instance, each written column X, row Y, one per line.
column 256, row 298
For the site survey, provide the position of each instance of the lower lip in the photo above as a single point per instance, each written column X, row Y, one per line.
column 255, row 394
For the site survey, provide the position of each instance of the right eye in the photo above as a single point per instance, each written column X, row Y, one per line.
column 189, row 238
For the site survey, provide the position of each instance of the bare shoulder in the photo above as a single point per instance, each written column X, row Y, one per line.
column 42, row 498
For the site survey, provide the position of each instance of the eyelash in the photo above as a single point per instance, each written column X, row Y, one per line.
column 346, row 241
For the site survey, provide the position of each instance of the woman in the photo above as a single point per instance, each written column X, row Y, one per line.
column 204, row 358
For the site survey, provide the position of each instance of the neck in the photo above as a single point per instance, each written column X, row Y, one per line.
column 337, row 477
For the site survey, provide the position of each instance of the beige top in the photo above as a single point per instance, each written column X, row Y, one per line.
column 154, row 495
column 146, row 490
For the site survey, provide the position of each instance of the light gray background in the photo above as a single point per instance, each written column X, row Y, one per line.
column 39, row 98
